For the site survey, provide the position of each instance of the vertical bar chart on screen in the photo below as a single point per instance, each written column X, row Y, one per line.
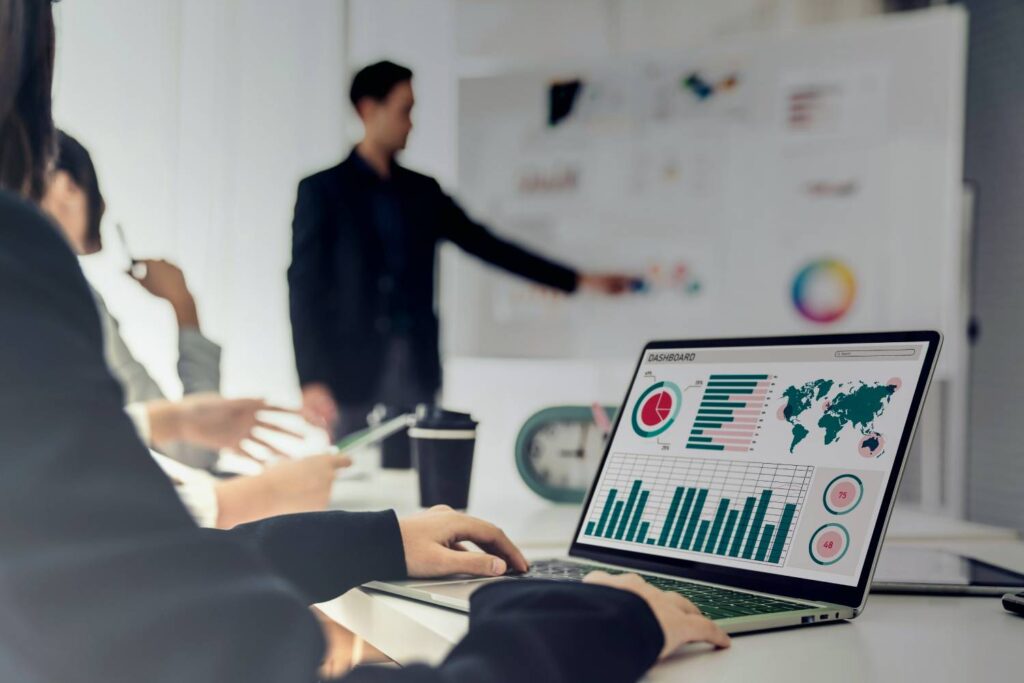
column 744, row 511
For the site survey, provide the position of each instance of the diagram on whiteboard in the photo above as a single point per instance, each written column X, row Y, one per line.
column 826, row 408
column 824, row 290
column 669, row 282
column 753, row 187
column 679, row 277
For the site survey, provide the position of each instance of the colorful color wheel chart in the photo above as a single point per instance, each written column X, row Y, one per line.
column 823, row 291
column 656, row 409
column 843, row 494
column 829, row 543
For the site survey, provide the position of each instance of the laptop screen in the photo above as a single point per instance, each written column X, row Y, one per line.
column 766, row 458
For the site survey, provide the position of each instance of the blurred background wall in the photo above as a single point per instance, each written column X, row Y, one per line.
column 202, row 117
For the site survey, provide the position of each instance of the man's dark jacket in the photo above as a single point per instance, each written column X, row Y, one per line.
column 338, row 263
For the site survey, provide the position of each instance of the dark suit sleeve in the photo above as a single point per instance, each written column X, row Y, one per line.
column 104, row 575
column 457, row 226
column 544, row 631
column 309, row 285
column 326, row 554
column 106, row 579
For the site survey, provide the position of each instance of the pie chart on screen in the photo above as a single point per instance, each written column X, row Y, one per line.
column 656, row 409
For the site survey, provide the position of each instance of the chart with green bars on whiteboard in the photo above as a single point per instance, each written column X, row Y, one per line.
column 741, row 510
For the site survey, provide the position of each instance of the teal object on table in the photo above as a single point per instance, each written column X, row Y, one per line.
column 559, row 450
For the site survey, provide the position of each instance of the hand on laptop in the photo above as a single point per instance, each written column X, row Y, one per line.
column 680, row 620
column 433, row 543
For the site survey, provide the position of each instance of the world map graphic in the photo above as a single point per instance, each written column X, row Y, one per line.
column 828, row 406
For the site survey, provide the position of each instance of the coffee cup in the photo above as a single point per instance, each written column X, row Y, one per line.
column 442, row 451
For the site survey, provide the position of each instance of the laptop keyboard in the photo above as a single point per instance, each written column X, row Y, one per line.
column 714, row 602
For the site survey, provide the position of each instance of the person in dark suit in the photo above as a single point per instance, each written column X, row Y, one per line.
column 362, row 275
column 105, row 578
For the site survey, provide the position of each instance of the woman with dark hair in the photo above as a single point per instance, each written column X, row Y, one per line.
column 104, row 577
column 26, row 131
column 73, row 196
column 74, row 199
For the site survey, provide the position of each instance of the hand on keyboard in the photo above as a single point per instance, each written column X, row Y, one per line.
column 680, row 620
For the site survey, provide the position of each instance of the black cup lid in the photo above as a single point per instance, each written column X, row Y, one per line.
column 436, row 417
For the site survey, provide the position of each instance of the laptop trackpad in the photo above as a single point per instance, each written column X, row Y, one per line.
column 459, row 590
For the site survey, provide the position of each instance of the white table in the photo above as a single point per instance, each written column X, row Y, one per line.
column 897, row 638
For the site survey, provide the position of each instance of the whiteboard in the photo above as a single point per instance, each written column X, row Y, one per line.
column 798, row 184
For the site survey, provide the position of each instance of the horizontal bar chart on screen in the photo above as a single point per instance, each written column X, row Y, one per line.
column 731, row 413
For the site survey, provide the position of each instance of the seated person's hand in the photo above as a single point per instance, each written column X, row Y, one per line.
column 216, row 422
column 165, row 280
column 212, row 421
column 345, row 649
column 284, row 487
column 433, row 543
column 680, row 620
column 340, row 646
column 162, row 279
column 303, row 485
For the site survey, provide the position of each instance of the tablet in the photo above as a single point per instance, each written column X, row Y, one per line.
column 372, row 435
column 938, row 572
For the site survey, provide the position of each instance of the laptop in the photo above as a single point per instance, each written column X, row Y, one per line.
column 756, row 477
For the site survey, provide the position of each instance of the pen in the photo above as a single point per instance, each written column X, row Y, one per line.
column 137, row 269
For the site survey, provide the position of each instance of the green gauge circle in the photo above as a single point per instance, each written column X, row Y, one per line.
column 672, row 412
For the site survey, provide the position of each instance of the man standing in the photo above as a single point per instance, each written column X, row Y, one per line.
column 361, row 281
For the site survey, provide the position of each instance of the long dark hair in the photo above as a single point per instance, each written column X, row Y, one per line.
column 74, row 159
column 26, row 78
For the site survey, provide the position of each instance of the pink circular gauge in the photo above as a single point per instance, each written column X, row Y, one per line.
column 843, row 494
column 829, row 544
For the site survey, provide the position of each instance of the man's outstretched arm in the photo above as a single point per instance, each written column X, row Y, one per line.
column 457, row 226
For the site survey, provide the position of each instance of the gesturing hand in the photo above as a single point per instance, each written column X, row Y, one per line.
column 606, row 283
column 680, row 620
column 212, row 421
column 433, row 545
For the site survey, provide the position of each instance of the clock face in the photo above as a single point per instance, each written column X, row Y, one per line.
column 565, row 453
column 559, row 449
